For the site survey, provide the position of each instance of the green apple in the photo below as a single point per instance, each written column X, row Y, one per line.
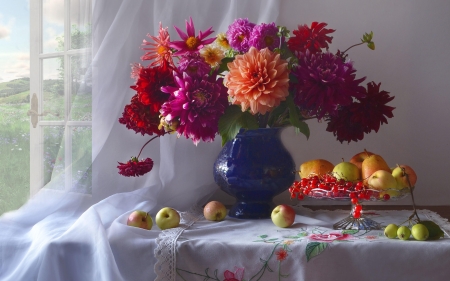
column 420, row 232
column 372, row 164
column 317, row 167
column 347, row 171
column 400, row 173
column 403, row 233
column 140, row 219
column 391, row 231
column 381, row 180
column 215, row 211
column 283, row 215
column 167, row 218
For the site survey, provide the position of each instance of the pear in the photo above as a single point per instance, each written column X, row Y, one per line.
column 403, row 233
column 372, row 164
column 317, row 167
column 420, row 232
column 347, row 171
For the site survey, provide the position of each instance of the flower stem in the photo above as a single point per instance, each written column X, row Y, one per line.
column 351, row 47
column 145, row 145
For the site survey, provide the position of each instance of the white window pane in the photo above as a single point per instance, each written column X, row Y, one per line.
column 53, row 89
column 53, row 25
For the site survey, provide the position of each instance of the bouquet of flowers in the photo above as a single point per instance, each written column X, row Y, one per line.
column 252, row 76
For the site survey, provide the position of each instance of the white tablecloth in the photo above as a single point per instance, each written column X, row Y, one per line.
column 309, row 250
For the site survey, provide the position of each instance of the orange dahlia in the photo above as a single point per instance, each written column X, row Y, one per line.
column 258, row 80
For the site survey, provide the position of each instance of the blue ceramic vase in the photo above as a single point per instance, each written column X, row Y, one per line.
column 253, row 168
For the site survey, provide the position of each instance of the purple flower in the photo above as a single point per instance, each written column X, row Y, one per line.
column 325, row 82
column 265, row 36
column 194, row 65
column 196, row 104
column 238, row 34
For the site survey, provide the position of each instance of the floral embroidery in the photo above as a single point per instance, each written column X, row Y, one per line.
column 234, row 276
column 281, row 254
column 330, row 237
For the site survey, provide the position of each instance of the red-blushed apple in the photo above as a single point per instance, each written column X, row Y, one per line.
column 215, row 211
column 167, row 218
column 358, row 158
column 382, row 180
column 317, row 167
column 283, row 215
column 140, row 219
column 400, row 176
column 346, row 171
column 372, row 164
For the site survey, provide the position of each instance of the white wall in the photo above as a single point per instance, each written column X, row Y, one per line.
column 412, row 62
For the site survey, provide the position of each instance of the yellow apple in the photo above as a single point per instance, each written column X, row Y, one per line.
column 400, row 176
column 347, row 171
column 382, row 180
column 167, row 218
column 317, row 167
column 215, row 211
column 283, row 215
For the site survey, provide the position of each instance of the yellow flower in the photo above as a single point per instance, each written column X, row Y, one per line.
column 212, row 54
column 222, row 41
column 258, row 80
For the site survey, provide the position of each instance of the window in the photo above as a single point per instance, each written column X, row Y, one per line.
column 60, row 95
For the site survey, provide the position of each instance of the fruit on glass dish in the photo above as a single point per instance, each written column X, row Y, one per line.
column 382, row 180
column 215, row 211
column 317, row 167
column 372, row 164
column 283, row 215
column 346, row 171
column 358, row 158
column 140, row 219
column 167, row 218
column 402, row 173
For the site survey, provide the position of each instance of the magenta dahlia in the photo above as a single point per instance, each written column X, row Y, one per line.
column 196, row 104
column 191, row 43
column 264, row 36
column 194, row 65
column 325, row 82
column 352, row 121
column 238, row 34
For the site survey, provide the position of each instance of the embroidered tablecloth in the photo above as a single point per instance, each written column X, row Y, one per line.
column 310, row 250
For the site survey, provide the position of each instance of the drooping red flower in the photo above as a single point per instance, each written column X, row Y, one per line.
column 314, row 38
column 363, row 116
column 196, row 103
column 325, row 82
column 191, row 43
column 281, row 254
column 135, row 168
column 142, row 114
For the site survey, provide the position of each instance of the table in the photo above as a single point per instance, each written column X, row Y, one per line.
column 309, row 250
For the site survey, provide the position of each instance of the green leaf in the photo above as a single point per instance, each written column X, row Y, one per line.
column 313, row 249
column 224, row 64
column 350, row 231
column 233, row 120
column 276, row 112
column 294, row 117
column 371, row 45
column 263, row 236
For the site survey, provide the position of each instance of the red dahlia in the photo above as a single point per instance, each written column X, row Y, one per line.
column 352, row 121
column 314, row 38
column 135, row 168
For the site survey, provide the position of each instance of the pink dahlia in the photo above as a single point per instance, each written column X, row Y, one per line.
column 325, row 82
column 194, row 65
column 191, row 43
column 265, row 36
column 258, row 80
column 314, row 38
column 135, row 168
column 196, row 104
column 238, row 34
column 159, row 51
column 352, row 121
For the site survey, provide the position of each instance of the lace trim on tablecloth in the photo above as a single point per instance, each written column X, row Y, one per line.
column 166, row 242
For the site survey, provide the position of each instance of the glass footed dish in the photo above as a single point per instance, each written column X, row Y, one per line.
column 357, row 193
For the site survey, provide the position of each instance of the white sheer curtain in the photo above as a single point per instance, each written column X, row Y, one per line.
column 65, row 236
